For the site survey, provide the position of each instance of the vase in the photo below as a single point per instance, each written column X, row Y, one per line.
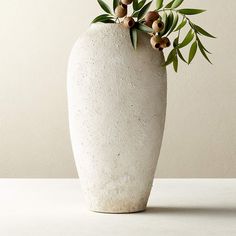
column 117, row 107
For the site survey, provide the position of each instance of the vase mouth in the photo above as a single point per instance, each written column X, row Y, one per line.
column 105, row 24
column 101, row 23
column 109, row 26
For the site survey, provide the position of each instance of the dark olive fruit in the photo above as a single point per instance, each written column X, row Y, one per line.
column 155, row 41
column 129, row 22
column 124, row 6
column 148, row 23
column 121, row 11
column 151, row 16
column 165, row 42
column 126, row 2
column 157, row 26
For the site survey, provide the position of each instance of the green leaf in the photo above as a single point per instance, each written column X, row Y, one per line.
column 181, row 25
column 170, row 57
column 175, row 63
column 102, row 18
column 134, row 37
column 192, row 52
column 176, row 42
column 159, row 4
column 141, row 4
column 138, row 5
column 109, row 21
column 188, row 38
column 189, row 11
column 202, row 31
column 203, row 52
column 144, row 10
column 143, row 28
column 115, row 4
column 176, row 3
column 169, row 4
column 199, row 42
column 135, row 5
column 181, row 56
column 169, row 22
column 174, row 23
column 135, row 14
column 104, row 6
column 164, row 20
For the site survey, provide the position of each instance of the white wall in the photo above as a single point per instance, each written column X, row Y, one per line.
column 35, row 40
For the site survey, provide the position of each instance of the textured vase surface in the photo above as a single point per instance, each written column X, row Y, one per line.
column 117, row 106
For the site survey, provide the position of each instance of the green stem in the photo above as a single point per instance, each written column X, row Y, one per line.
column 178, row 33
column 134, row 12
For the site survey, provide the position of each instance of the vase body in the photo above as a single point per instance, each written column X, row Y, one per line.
column 117, row 106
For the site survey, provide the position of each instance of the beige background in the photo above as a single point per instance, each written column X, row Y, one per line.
column 35, row 40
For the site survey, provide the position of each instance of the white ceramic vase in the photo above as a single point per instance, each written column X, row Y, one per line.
column 117, row 106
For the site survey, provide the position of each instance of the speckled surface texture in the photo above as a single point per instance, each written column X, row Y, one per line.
column 117, row 105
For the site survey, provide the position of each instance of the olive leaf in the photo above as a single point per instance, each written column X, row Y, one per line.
column 159, row 4
column 175, row 63
column 143, row 28
column 135, row 14
column 115, row 4
column 188, row 38
column 176, row 3
column 103, row 18
column 109, row 21
column 202, row 31
column 174, row 23
column 170, row 57
column 134, row 37
column 192, row 52
column 181, row 25
column 189, row 11
column 176, row 42
column 165, row 21
column 135, row 5
column 141, row 4
column 168, row 23
column 203, row 52
column 181, row 56
column 200, row 43
column 143, row 11
column 104, row 6
column 138, row 5
column 169, row 4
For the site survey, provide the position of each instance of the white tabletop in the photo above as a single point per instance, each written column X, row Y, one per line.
column 51, row 207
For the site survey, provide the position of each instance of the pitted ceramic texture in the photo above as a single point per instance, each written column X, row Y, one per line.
column 117, row 106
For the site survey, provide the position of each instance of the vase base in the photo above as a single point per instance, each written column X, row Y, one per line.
column 118, row 211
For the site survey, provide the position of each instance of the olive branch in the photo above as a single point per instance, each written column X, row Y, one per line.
column 159, row 24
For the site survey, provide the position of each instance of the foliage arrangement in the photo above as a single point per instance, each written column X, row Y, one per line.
column 166, row 19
